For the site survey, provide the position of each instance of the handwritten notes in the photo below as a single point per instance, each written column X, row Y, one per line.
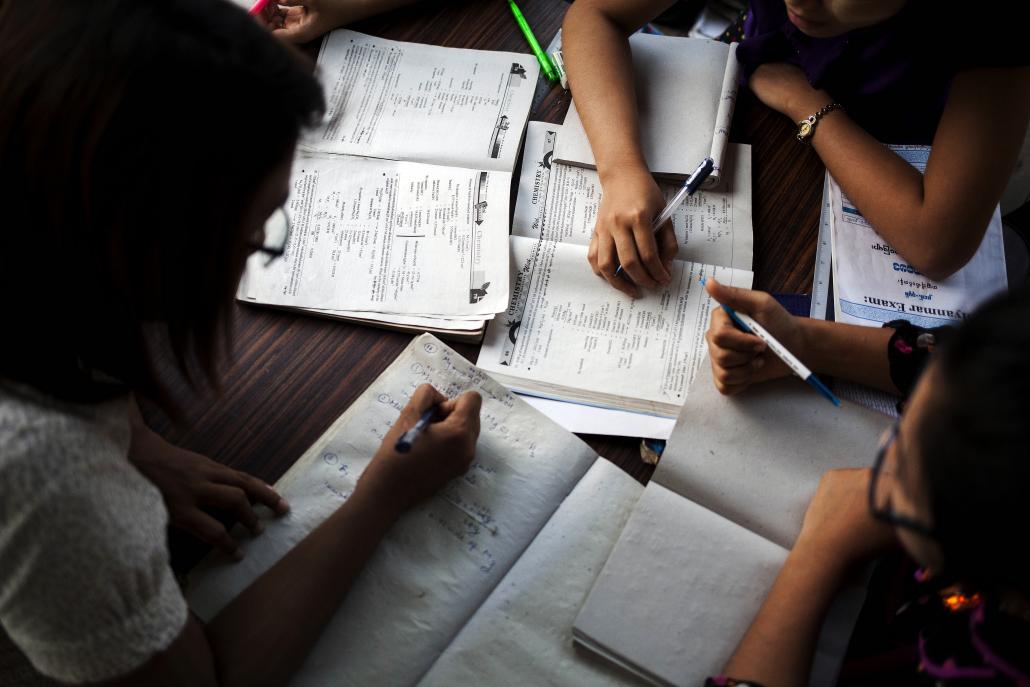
column 444, row 557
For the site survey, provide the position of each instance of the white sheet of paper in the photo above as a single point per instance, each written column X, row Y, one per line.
column 569, row 336
column 522, row 634
column 406, row 101
column 443, row 558
column 679, row 590
column 560, row 202
column 584, row 419
column 875, row 285
column 389, row 237
column 686, row 92
column 757, row 458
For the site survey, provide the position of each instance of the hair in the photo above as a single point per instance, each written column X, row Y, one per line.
column 975, row 446
column 134, row 136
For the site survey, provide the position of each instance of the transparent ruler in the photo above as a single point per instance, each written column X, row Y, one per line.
column 823, row 272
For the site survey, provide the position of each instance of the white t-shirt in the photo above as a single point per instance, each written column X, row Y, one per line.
column 86, row 591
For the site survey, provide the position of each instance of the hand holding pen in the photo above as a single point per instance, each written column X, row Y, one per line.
column 741, row 358
column 403, row 473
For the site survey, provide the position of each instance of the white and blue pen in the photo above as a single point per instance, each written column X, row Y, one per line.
column 407, row 440
column 748, row 325
column 691, row 185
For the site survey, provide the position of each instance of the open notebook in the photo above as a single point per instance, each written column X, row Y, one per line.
column 567, row 334
column 686, row 91
column 399, row 199
column 478, row 584
column 708, row 537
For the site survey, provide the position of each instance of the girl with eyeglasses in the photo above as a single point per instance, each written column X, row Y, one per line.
column 143, row 147
column 948, row 488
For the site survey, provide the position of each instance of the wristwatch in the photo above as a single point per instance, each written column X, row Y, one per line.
column 806, row 127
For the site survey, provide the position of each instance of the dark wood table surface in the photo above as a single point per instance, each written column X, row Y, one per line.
column 290, row 376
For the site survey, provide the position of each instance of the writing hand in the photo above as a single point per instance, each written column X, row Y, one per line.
column 739, row 359
column 300, row 21
column 190, row 483
column 623, row 235
column 443, row 451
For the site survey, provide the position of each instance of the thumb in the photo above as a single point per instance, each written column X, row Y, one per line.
column 744, row 300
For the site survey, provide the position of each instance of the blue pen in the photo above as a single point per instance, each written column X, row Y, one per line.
column 747, row 324
column 691, row 185
column 406, row 440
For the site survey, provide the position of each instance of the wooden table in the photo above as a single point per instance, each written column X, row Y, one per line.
column 290, row 376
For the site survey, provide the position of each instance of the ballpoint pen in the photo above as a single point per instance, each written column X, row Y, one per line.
column 407, row 440
column 541, row 56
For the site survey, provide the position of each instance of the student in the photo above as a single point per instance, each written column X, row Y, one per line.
column 949, row 487
column 142, row 147
column 886, row 71
column 300, row 21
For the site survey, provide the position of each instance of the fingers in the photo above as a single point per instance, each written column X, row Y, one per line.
column 722, row 334
column 424, row 398
column 234, row 501
column 629, row 258
column 608, row 263
column 259, row 492
column 744, row 300
column 668, row 245
column 211, row 532
column 647, row 249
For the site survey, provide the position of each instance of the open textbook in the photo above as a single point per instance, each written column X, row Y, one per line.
column 566, row 333
column 715, row 524
column 483, row 579
column 686, row 91
column 398, row 202
column 872, row 284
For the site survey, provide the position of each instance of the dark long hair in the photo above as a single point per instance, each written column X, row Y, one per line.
column 134, row 135
column 975, row 447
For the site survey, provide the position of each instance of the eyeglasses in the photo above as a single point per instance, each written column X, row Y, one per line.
column 879, row 492
column 277, row 236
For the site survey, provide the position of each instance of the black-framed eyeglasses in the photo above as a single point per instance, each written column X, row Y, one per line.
column 277, row 236
column 879, row 492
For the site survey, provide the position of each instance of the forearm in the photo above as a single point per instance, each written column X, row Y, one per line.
column 778, row 646
column 263, row 636
column 851, row 352
column 600, row 69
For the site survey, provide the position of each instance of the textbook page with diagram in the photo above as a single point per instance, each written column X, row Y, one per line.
column 501, row 557
column 568, row 335
column 715, row 524
column 398, row 206
column 686, row 92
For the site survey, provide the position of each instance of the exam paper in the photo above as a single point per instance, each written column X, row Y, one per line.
column 389, row 237
column 874, row 285
column 442, row 559
column 406, row 101
column 522, row 634
column 560, row 202
column 568, row 335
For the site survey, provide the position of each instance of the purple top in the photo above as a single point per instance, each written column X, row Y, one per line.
column 892, row 78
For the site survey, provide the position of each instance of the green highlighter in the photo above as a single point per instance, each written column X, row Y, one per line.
column 545, row 62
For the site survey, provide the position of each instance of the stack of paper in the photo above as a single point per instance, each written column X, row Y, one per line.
column 398, row 202
column 567, row 334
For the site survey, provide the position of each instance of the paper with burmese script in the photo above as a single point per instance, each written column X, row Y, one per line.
column 423, row 103
column 686, row 92
column 560, row 202
column 389, row 237
column 443, row 558
column 568, row 335
column 874, row 285
column 522, row 634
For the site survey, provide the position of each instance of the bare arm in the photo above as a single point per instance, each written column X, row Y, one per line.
column 934, row 220
column 600, row 69
column 262, row 636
